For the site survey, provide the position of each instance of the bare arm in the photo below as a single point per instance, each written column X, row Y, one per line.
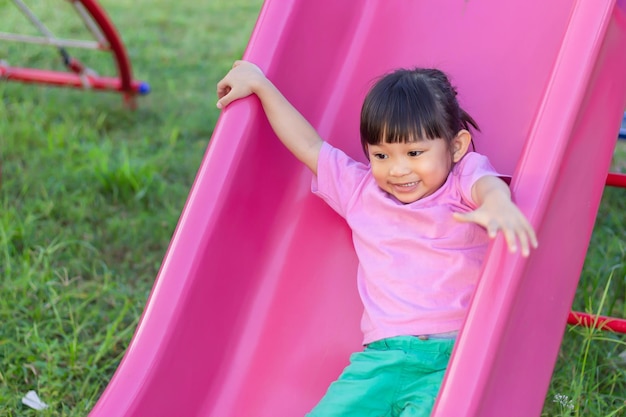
column 293, row 130
column 496, row 212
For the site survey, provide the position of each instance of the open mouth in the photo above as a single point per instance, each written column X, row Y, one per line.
column 405, row 187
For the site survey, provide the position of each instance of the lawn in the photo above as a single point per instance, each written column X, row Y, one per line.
column 91, row 193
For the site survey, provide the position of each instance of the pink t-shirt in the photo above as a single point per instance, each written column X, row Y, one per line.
column 418, row 267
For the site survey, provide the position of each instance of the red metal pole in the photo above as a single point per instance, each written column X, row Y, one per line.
column 599, row 322
column 616, row 180
column 58, row 78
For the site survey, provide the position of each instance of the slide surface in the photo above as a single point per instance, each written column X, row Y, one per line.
column 255, row 311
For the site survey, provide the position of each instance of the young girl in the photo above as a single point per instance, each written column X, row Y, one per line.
column 421, row 214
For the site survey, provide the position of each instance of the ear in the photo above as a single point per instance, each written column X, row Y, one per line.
column 460, row 144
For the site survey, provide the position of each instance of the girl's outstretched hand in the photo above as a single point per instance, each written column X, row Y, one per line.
column 496, row 212
column 241, row 81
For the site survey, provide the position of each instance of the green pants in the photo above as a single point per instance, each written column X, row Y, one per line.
column 399, row 376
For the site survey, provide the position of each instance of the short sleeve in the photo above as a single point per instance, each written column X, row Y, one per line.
column 338, row 178
column 470, row 169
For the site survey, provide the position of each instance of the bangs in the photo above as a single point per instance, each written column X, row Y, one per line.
column 404, row 110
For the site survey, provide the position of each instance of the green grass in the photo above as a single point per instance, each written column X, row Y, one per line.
column 590, row 377
column 590, row 371
column 91, row 193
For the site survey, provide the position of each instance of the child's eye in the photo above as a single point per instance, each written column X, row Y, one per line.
column 415, row 153
column 380, row 156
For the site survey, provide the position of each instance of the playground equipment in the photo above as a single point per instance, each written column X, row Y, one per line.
column 78, row 75
column 254, row 311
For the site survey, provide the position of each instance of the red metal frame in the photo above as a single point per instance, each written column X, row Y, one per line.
column 68, row 79
column 616, row 180
column 116, row 45
column 599, row 322
column 123, row 83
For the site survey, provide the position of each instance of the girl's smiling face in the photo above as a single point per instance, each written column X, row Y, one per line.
column 410, row 171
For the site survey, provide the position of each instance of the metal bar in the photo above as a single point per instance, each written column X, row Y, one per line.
column 599, row 322
column 50, row 41
column 614, row 179
column 116, row 46
column 91, row 25
column 58, row 78
column 33, row 19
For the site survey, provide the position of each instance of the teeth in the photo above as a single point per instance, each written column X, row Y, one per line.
column 410, row 184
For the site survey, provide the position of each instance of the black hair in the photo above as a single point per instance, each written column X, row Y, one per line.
column 412, row 104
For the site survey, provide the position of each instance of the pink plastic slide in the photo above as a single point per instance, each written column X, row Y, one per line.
column 255, row 310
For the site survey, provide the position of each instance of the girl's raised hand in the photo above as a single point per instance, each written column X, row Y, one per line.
column 239, row 82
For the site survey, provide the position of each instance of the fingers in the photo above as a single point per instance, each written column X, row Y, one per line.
column 473, row 217
column 464, row 217
column 227, row 93
column 222, row 91
column 511, row 239
column 534, row 242
column 530, row 237
column 225, row 98
column 237, row 83
column 520, row 237
column 223, row 101
column 518, row 234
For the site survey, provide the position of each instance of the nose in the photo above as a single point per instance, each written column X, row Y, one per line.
column 399, row 168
